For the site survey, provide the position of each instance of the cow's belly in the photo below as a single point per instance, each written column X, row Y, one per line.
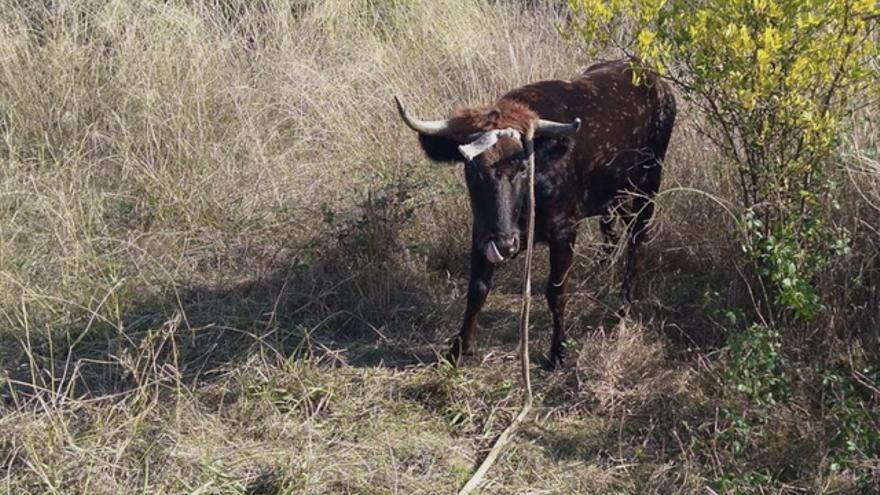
column 596, row 203
column 630, row 172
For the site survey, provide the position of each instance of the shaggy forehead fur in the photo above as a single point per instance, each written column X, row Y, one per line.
column 504, row 114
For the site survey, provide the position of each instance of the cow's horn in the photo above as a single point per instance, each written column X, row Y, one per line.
column 429, row 127
column 549, row 127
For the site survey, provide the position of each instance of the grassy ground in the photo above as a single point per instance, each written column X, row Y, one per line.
column 226, row 268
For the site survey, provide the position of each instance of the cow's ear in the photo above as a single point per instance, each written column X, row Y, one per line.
column 552, row 149
column 440, row 148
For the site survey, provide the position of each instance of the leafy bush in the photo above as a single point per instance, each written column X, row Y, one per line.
column 757, row 368
column 775, row 83
column 851, row 399
column 774, row 80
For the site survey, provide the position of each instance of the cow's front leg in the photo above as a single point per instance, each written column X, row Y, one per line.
column 478, row 289
column 561, row 255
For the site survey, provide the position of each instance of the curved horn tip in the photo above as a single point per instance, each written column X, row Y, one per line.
column 558, row 128
column 429, row 127
column 399, row 104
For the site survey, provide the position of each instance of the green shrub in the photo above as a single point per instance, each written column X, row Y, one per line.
column 757, row 366
column 774, row 80
column 851, row 401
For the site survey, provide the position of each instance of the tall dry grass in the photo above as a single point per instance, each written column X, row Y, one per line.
column 150, row 145
column 219, row 248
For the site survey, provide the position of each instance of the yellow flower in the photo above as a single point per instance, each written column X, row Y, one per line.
column 646, row 39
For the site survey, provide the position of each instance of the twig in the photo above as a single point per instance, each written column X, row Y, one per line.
column 508, row 433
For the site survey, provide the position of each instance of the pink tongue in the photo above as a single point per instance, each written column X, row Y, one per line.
column 492, row 253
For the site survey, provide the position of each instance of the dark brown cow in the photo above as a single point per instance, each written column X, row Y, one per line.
column 613, row 164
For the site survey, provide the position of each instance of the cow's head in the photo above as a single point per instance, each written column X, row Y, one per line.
column 494, row 144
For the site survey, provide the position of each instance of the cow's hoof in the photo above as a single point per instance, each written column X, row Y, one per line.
column 552, row 364
column 625, row 308
column 557, row 356
column 457, row 352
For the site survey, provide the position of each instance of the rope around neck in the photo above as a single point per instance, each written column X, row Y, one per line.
column 508, row 433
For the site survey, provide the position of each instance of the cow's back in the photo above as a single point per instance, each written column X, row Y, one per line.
column 624, row 126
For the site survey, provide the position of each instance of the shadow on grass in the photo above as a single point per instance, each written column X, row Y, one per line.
column 382, row 313
column 371, row 307
column 594, row 445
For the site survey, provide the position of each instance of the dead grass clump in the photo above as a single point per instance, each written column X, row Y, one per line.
column 624, row 373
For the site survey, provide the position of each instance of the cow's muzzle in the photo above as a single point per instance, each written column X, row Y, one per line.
column 501, row 247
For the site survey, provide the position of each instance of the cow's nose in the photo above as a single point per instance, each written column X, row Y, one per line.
column 507, row 244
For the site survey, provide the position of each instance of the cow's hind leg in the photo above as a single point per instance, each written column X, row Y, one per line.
column 642, row 212
column 616, row 210
column 609, row 235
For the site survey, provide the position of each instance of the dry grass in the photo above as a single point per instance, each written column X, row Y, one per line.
column 625, row 372
column 223, row 262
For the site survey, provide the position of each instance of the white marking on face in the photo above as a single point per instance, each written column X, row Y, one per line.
column 486, row 140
